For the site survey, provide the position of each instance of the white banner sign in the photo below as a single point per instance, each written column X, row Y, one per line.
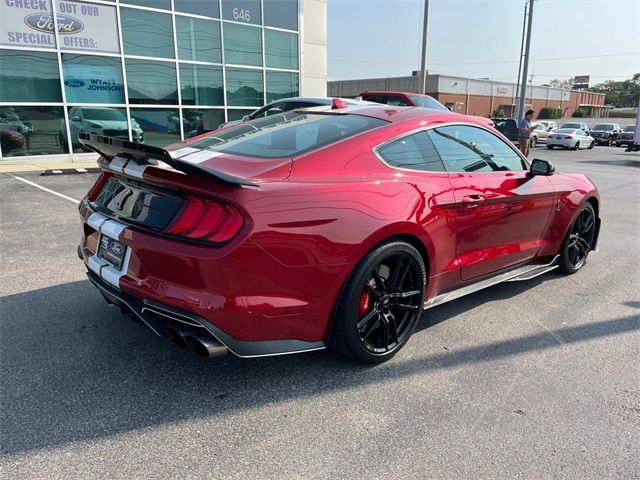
column 81, row 26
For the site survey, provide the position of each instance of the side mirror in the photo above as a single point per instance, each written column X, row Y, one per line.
column 246, row 118
column 541, row 167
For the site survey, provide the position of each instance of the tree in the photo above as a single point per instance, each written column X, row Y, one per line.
column 555, row 83
column 623, row 93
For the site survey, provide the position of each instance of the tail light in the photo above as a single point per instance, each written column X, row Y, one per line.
column 568, row 137
column 206, row 221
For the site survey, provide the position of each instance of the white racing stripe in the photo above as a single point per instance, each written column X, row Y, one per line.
column 24, row 180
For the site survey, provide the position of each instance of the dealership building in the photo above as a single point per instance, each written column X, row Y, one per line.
column 481, row 97
column 152, row 71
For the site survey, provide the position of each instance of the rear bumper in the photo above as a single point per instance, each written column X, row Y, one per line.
column 159, row 317
column 249, row 301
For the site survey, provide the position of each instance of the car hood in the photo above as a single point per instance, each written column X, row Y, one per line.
column 108, row 123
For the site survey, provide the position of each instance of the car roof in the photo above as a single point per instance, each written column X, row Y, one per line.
column 384, row 92
column 318, row 100
column 395, row 114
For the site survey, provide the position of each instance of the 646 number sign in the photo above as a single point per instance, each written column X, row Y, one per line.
column 242, row 14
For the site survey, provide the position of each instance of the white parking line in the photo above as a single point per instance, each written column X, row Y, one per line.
column 45, row 189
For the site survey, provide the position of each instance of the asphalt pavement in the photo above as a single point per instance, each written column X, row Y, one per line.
column 536, row 379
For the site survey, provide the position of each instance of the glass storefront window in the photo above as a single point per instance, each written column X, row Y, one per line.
column 245, row 11
column 106, row 121
column 148, row 34
column 27, row 27
column 196, row 122
column 242, row 45
column 201, row 84
column 87, row 26
column 164, row 4
column 29, row 77
column 198, row 40
column 281, row 49
column 282, row 85
column 206, row 8
column 160, row 127
column 27, row 130
column 244, row 88
column 281, row 14
column 151, row 82
column 92, row 79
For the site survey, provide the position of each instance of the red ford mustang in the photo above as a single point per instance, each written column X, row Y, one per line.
column 325, row 227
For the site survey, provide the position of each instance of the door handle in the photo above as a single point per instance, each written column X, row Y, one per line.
column 471, row 201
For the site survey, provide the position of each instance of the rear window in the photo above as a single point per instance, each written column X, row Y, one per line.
column 507, row 123
column 630, row 128
column 286, row 135
column 603, row 126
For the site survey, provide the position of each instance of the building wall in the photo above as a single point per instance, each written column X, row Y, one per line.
column 314, row 48
column 160, row 74
column 474, row 96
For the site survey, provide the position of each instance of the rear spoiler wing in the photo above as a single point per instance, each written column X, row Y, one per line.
column 147, row 155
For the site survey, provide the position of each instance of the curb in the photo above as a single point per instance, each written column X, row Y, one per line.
column 70, row 171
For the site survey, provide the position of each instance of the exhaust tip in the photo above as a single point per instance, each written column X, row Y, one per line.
column 205, row 348
column 175, row 337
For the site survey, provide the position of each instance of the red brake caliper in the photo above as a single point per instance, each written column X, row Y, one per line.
column 364, row 303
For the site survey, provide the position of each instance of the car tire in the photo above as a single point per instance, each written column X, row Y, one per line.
column 549, row 147
column 380, row 304
column 579, row 240
column 576, row 146
column 533, row 142
column 590, row 147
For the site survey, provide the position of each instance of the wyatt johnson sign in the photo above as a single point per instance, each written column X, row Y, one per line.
column 81, row 26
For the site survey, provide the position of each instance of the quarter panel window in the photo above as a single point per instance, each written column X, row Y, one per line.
column 464, row 148
column 414, row 151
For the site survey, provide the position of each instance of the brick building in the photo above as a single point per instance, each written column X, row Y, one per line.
column 478, row 96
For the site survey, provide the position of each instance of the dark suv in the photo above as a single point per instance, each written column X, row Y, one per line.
column 605, row 133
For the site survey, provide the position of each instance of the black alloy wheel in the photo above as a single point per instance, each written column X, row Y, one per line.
column 549, row 147
column 576, row 146
column 591, row 145
column 381, row 303
column 579, row 241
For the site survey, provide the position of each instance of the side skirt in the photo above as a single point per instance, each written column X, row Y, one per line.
column 526, row 272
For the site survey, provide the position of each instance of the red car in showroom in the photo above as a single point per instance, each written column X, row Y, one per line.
column 330, row 227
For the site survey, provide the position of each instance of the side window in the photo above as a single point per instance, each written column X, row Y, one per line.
column 465, row 148
column 415, row 152
column 272, row 110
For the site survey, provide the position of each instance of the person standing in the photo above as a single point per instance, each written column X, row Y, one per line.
column 524, row 132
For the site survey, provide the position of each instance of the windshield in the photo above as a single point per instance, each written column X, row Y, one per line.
column 428, row 102
column 571, row 125
column 566, row 130
column 286, row 134
column 102, row 114
column 603, row 126
column 630, row 128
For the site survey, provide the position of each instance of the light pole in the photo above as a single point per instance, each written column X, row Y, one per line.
column 514, row 110
column 525, row 63
column 423, row 63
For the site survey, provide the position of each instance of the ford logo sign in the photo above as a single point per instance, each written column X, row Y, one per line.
column 44, row 23
column 116, row 248
column 73, row 82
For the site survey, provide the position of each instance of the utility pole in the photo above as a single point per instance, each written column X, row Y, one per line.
column 423, row 64
column 525, row 64
column 514, row 110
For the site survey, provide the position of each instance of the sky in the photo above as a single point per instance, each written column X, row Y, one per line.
column 481, row 38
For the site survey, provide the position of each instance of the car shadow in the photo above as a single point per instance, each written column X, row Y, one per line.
column 614, row 163
column 74, row 369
